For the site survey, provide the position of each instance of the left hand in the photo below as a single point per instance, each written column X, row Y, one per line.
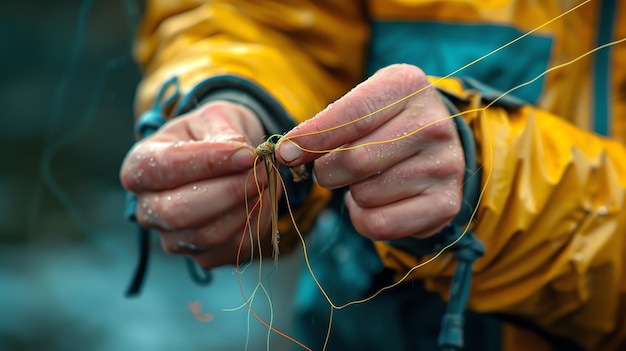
column 409, row 187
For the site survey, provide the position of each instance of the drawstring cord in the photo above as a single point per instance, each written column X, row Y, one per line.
column 466, row 251
column 149, row 122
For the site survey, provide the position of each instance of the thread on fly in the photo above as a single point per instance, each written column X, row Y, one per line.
column 265, row 151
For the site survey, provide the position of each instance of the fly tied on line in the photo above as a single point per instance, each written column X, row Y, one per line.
column 265, row 152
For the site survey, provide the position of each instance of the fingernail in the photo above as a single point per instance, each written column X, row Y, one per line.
column 289, row 152
column 243, row 158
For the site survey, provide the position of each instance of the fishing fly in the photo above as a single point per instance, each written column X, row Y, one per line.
column 265, row 152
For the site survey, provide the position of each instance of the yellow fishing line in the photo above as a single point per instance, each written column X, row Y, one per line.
column 248, row 301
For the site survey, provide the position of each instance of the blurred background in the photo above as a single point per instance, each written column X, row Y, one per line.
column 66, row 252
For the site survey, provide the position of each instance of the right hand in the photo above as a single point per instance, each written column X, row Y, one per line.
column 192, row 177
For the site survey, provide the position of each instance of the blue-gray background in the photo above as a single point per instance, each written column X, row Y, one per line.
column 66, row 253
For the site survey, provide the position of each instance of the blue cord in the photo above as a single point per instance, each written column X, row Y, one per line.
column 149, row 122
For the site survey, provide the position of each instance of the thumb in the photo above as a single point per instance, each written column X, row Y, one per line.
column 355, row 115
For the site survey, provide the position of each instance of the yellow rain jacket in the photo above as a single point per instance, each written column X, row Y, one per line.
column 552, row 216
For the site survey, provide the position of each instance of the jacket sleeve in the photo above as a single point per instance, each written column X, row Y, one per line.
column 298, row 56
column 304, row 54
column 552, row 219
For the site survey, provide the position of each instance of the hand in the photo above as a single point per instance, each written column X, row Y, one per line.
column 191, row 179
column 409, row 187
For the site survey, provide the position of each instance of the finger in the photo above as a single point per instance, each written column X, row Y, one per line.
column 402, row 137
column 418, row 216
column 153, row 166
column 218, row 243
column 356, row 114
column 215, row 121
column 410, row 178
column 196, row 204
column 210, row 256
column 217, row 233
column 238, row 247
column 208, row 142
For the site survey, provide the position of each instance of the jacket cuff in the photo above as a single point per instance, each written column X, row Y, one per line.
column 472, row 177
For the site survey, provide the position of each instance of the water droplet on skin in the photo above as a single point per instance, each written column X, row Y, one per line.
column 138, row 175
column 205, row 189
column 194, row 188
column 168, row 198
column 149, row 211
column 603, row 211
column 151, row 162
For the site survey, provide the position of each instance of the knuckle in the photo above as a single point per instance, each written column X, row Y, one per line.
column 406, row 70
column 376, row 225
column 168, row 244
column 214, row 108
column 446, row 206
column 446, row 166
column 172, row 212
column 361, row 104
column 146, row 212
column 363, row 193
column 441, row 130
column 361, row 161
column 412, row 76
column 131, row 175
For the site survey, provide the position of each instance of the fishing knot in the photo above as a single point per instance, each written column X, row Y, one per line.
column 265, row 149
column 468, row 249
